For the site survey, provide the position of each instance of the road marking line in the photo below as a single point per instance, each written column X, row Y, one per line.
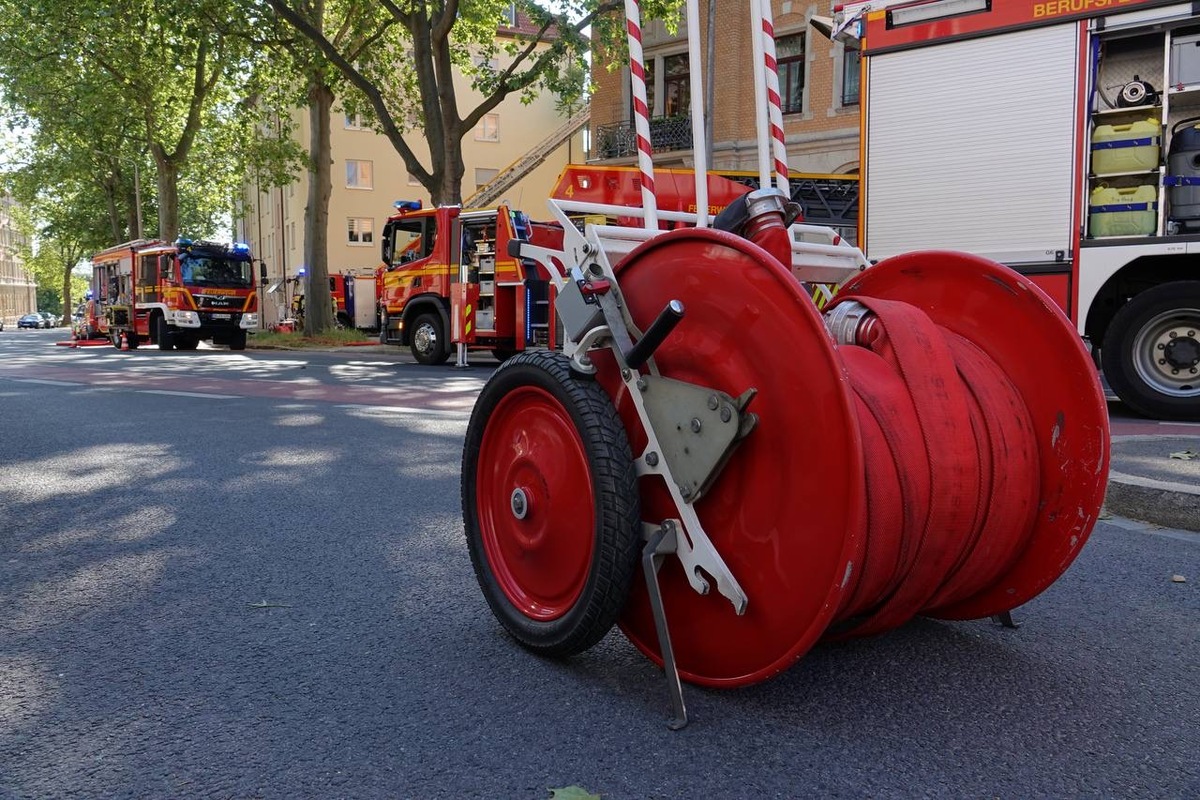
column 45, row 382
column 408, row 411
column 190, row 394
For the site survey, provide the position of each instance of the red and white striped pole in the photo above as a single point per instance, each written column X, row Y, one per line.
column 641, row 113
column 774, row 109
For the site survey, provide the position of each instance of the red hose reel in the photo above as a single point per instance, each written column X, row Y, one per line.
column 918, row 460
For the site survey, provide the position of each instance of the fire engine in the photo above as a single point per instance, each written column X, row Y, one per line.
column 1061, row 139
column 173, row 294
column 448, row 275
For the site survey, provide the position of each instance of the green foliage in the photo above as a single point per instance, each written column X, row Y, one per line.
column 397, row 58
column 291, row 341
column 117, row 88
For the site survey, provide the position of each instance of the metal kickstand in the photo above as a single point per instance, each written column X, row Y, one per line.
column 660, row 544
column 1005, row 619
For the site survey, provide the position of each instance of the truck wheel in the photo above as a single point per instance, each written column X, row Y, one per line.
column 550, row 504
column 428, row 341
column 237, row 341
column 133, row 340
column 162, row 332
column 185, row 342
column 1151, row 352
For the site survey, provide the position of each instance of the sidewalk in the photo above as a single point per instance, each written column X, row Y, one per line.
column 1146, row 483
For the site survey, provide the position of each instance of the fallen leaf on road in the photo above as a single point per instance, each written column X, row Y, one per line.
column 1185, row 455
column 573, row 793
column 265, row 604
column 1178, row 579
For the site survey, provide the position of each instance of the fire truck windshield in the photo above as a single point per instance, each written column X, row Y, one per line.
column 220, row 272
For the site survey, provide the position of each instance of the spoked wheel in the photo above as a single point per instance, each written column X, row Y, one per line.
column 550, row 504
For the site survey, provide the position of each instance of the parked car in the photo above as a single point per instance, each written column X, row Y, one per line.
column 51, row 319
column 31, row 321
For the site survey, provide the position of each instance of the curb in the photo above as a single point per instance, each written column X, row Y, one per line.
column 1163, row 500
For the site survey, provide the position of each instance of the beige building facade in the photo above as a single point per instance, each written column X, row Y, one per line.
column 369, row 177
column 18, row 290
column 818, row 87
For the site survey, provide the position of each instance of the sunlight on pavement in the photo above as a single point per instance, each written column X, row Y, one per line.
column 97, row 587
column 90, row 469
column 25, row 689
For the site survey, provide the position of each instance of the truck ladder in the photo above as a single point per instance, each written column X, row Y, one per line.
column 491, row 191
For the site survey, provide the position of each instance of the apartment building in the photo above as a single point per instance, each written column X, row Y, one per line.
column 819, row 84
column 18, row 290
column 369, row 176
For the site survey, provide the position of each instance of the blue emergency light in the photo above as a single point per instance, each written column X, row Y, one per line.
column 407, row 205
column 241, row 247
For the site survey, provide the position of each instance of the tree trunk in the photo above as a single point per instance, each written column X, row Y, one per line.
column 68, row 307
column 168, row 195
column 318, row 311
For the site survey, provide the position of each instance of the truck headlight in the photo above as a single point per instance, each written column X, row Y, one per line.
column 189, row 318
column 249, row 320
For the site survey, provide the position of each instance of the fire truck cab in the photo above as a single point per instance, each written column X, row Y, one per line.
column 1059, row 138
column 174, row 294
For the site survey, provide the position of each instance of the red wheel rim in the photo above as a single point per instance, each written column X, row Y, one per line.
column 787, row 513
column 1035, row 345
column 535, row 503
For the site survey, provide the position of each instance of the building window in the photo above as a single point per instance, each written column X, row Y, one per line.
column 789, row 55
column 488, row 129
column 508, row 17
column 291, row 235
column 484, row 176
column 850, row 75
column 359, row 174
column 354, row 122
column 676, row 86
column 360, row 230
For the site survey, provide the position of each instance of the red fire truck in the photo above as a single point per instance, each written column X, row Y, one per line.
column 447, row 276
column 1059, row 138
column 174, row 294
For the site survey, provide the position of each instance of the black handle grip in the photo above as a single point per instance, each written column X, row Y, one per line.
column 667, row 319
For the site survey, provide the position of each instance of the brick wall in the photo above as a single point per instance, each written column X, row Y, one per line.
column 823, row 138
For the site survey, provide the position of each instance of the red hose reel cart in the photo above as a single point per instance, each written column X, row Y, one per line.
column 829, row 473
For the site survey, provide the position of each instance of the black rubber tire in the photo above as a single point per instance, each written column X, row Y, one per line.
column 1132, row 352
column 162, row 334
column 115, row 338
column 617, row 534
column 237, row 340
column 133, row 339
column 186, row 342
column 427, row 340
column 383, row 328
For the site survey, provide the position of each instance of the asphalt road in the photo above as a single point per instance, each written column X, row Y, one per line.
column 243, row 575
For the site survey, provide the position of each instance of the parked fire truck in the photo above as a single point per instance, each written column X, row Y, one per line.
column 173, row 294
column 1059, row 138
column 447, row 275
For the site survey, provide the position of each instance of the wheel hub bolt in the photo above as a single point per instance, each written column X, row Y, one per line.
column 520, row 503
column 652, row 458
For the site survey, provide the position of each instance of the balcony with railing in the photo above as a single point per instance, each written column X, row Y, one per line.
column 619, row 140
